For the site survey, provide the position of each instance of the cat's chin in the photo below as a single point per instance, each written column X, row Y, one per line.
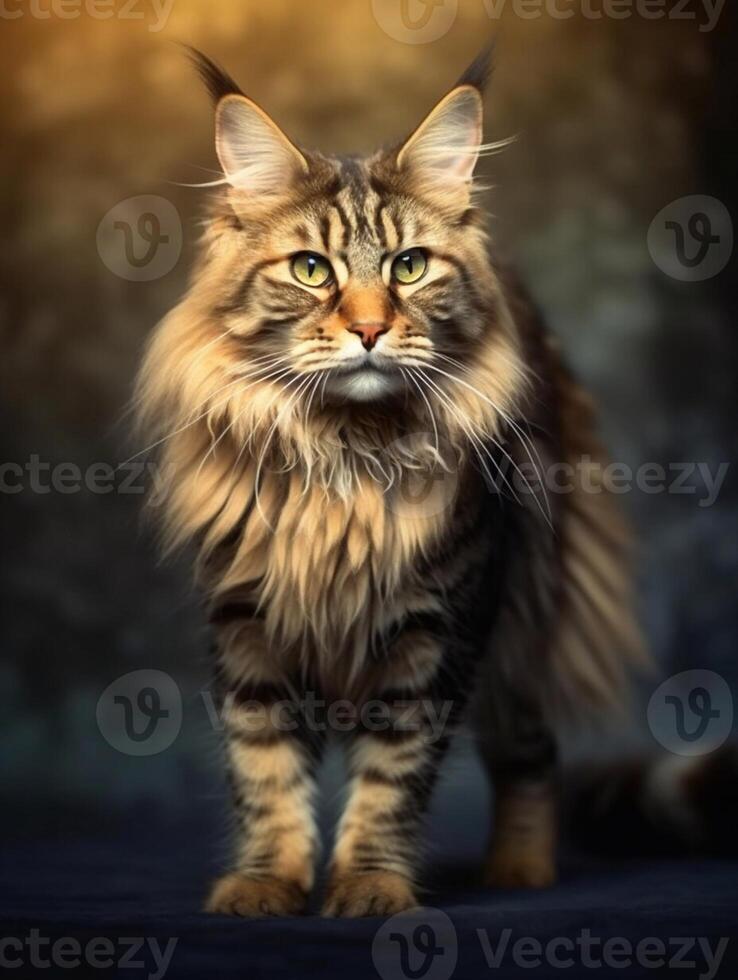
column 364, row 385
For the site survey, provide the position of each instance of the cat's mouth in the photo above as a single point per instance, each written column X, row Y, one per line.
column 366, row 378
column 371, row 361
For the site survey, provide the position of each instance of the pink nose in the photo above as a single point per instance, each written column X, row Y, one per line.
column 368, row 332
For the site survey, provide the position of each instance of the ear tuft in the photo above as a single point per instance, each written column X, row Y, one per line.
column 480, row 70
column 218, row 82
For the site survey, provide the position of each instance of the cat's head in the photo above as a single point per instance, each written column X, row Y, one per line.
column 342, row 310
column 360, row 276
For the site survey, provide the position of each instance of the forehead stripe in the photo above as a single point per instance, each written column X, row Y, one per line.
column 345, row 223
column 378, row 222
column 301, row 232
column 325, row 232
column 393, row 234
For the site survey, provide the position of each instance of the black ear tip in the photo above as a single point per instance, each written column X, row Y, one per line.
column 217, row 81
column 480, row 70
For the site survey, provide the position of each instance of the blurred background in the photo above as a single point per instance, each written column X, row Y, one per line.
column 103, row 120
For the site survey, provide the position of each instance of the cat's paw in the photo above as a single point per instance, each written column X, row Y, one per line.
column 519, row 869
column 236, row 894
column 370, row 893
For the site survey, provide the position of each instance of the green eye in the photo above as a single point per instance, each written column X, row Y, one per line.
column 311, row 269
column 410, row 266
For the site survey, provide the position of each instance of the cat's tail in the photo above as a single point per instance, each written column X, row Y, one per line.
column 662, row 805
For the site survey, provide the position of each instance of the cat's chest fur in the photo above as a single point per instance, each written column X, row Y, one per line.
column 330, row 571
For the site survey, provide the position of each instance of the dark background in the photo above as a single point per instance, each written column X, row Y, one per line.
column 614, row 120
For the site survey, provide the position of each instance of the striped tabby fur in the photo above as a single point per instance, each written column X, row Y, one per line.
column 291, row 421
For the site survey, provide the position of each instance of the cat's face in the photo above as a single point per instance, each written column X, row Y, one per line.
column 344, row 322
column 350, row 277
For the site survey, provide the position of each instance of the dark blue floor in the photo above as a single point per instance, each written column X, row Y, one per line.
column 126, row 885
column 141, row 875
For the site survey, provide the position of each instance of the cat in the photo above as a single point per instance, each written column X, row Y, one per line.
column 356, row 406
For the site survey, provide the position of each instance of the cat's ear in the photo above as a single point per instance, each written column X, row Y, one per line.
column 443, row 150
column 255, row 154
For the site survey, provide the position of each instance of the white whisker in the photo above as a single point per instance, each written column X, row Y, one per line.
column 270, row 434
column 211, row 451
column 468, row 427
column 202, row 415
column 428, row 406
column 547, row 516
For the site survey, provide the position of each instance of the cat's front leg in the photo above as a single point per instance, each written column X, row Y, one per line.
column 520, row 753
column 394, row 758
column 271, row 765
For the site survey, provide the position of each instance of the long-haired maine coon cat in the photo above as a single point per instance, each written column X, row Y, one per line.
column 355, row 404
